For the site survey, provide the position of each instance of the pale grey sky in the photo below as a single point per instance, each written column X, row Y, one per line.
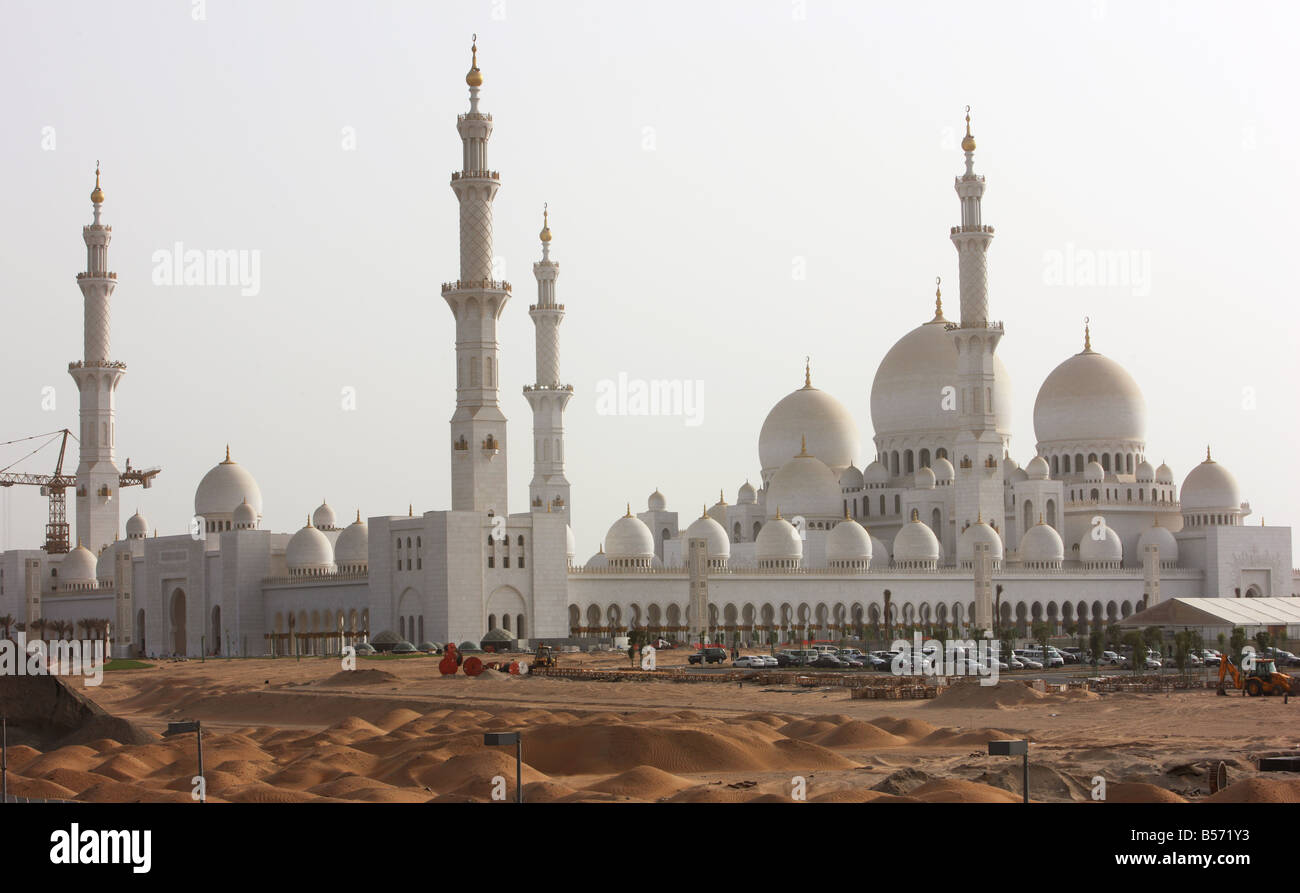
column 694, row 154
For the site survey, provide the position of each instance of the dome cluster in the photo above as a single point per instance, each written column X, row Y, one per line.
column 224, row 489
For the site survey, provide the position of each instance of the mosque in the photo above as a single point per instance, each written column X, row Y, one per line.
column 938, row 528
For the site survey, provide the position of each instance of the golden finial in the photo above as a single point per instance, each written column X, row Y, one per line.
column 228, row 460
column 968, row 144
column 938, row 299
column 629, row 511
column 916, row 516
column 807, row 372
column 475, row 77
column 546, row 223
column 778, row 513
column 803, row 444
column 721, row 499
column 548, row 506
column 309, row 520
column 410, row 510
column 1040, row 517
column 704, row 512
column 846, row 511
column 97, row 196
column 358, row 516
column 1207, row 453
column 979, row 517
column 1087, row 334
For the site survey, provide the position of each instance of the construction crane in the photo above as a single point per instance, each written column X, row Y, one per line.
column 55, row 486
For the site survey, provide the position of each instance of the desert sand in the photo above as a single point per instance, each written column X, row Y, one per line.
column 396, row 731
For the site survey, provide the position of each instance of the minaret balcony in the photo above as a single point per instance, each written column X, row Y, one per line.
column 995, row 325
column 548, row 387
column 476, row 285
column 979, row 228
column 534, row 307
column 96, row 364
column 475, row 175
column 104, row 275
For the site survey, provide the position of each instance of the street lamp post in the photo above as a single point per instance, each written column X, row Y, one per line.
column 195, row 726
column 1013, row 749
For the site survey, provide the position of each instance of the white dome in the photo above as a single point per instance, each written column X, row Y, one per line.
column 851, row 479
column 570, row 545
column 1089, row 397
column 136, row 526
column 1017, row 475
column 848, row 541
column 1146, row 472
column 243, row 516
column 1161, row 538
column 943, row 470
column 879, row 553
column 599, row 560
column 805, row 486
column 815, row 417
column 1093, row 472
column 309, row 550
column 224, row 487
column 876, row 473
column 323, row 518
column 905, row 394
column 77, row 567
column 656, row 502
column 778, row 540
column 925, row 479
column 719, row 544
column 353, row 545
column 746, row 495
column 979, row 532
column 1108, row 549
column 1041, row 544
column 628, row 537
column 916, row 542
column 1164, row 474
column 1210, row 487
column 104, row 565
column 1037, row 469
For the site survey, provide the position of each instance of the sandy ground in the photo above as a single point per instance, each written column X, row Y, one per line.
column 396, row 731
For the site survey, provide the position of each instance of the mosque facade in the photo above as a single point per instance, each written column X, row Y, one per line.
column 938, row 528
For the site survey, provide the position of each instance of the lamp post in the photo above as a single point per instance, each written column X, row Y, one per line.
column 4, row 759
column 195, row 726
column 1013, row 749
column 496, row 738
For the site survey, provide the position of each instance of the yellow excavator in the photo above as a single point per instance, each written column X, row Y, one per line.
column 1263, row 679
column 544, row 657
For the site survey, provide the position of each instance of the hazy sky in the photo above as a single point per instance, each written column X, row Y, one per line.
column 696, row 156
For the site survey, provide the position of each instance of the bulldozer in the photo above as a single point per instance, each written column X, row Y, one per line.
column 1263, row 679
column 544, row 657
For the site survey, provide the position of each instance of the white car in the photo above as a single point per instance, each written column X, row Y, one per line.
column 763, row 660
column 754, row 662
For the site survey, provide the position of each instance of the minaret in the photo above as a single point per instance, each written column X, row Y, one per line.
column 979, row 447
column 478, row 427
column 97, row 377
column 549, row 489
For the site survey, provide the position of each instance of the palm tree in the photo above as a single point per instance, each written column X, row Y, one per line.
column 7, row 621
column 37, row 627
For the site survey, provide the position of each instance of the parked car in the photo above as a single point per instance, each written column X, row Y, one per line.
column 1151, row 663
column 828, row 661
column 765, row 661
column 1110, row 658
column 746, row 662
column 1282, row 658
column 708, row 656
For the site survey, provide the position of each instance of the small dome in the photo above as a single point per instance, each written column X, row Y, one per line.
column 851, row 479
column 805, row 486
column 353, row 545
column 657, row 502
column 1146, row 472
column 719, row 544
column 848, row 541
column 746, row 495
column 243, row 517
column 778, row 541
column 323, row 518
column 1037, row 469
column 916, row 542
column 599, row 560
column 979, row 532
column 1164, row 474
column 1041, row 544
column 137, row 527
column 570, row 545
column 1017, row 475
column 876, row 473
column 104, row 565
column 629, row 538
column 1210, row 487
column 944, row 473
column 309, row 550
column 1093, row 472
column 1106, row 549
column 925, row 479
column 78, row 567
column 224, row 487
column 1161, row 538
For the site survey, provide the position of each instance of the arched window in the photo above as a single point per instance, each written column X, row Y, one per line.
column 1105, row 461
column 1095, row 494
column 936, row 523
column 907, row 462
column 1051, row 512
column 882, row 503
column 419, row 544
column 898, row 504
column 1078, row 463
column 408, row 542
column 925, row 458
column 1056, row 465
column 520, row 540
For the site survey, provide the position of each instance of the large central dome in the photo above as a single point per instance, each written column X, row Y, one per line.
column 907, row 394
column 811, row 416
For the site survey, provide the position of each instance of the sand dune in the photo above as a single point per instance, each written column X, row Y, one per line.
column 643, row 783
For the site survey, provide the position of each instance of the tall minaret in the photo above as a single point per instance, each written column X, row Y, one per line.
column 478, row 427
column 549, row 489
column 97, row 377
column 979, row 447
